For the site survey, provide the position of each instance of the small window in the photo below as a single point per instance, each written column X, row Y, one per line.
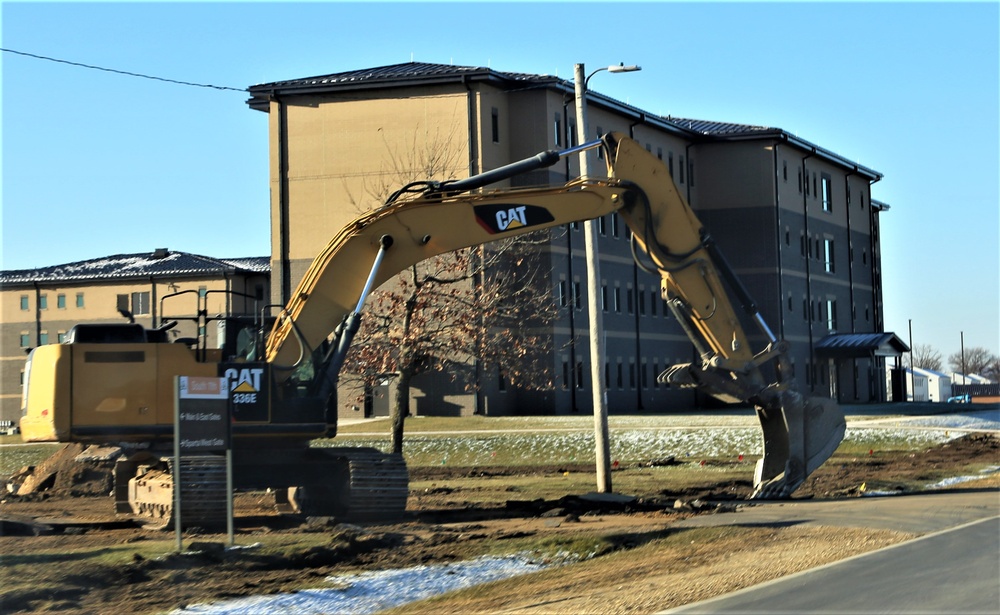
column 579, row 374
column 495, row 124
column 831, row 314
column 602, row 226
column 604, row 297
column 25, row 340
column 557, row 127
column 641, row 297
column 630, row 299
column 202, row 291
column 680, row 168
column 691, row 172
column 61, row 301
column 43, row 338
column 565, row 374
column 618, row 299
column 79, row 300
column 61, row 337
column 140, row 303
column 600, row 150
column 577, row 295
column 24, row 302
column 828, row 255
column 800, row 181
column 659, row 153
column 561, row 293
column 43, row 302
column 618, row 380
column 670, row 163
column 614, row 225
column 631, row 375
column 784, row 170
column 652, row 302
column 827, row 184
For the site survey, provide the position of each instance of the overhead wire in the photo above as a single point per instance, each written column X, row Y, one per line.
column 122, row 72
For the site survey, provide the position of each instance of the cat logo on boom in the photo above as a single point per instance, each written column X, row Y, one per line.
column 510, row 216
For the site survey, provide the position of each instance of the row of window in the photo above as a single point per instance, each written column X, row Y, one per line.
column 822, row 249
column 566, row 136
column 611, row 299
column 820, row 311
column 43, row 301
column 617, row 375
column 43, row 338
column 822, row 191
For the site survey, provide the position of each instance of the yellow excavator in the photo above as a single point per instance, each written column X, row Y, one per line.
column 115, row 383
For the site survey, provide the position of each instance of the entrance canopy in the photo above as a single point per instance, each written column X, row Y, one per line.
column 860, row 345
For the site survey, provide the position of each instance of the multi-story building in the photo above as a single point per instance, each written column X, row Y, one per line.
column 40, row 306
column 797, row 222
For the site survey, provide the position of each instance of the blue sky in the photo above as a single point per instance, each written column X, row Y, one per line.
column 98, row 163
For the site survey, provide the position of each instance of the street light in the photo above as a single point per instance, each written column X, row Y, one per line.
column 600, row 395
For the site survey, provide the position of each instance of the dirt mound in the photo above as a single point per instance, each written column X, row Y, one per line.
column 74, row 470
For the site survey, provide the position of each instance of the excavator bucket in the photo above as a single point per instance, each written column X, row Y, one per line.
column 798, row 437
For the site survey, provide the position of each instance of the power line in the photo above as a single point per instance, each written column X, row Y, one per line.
column 123, row 72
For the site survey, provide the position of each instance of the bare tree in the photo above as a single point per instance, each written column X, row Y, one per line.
column 977, row 360
column 487, row 304
column 925, row 357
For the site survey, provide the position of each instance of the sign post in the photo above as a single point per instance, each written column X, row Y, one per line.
column 202, row 424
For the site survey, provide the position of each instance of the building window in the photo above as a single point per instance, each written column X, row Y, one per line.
column 691, row 172
column 619, row 381
column 630, row 299
column 831, row 314
column 501, row 381
column 828, row 255
column 43, row 338
column 602, row 226
column 79, row 300
column 604, row 297
column 827, row 183
column 135, row 303
column 203, row 291
column 558, row 129
column 631, row 374
column 659, row 153
column 784, row 170
column 600, row 150
column 61, row 337
column 800, row 181
column 495, row 124
column 652, row 302
column 815, row 189
column 680, row 168
column 670, row 163
column 61, row 301
column 614, row 225
column 579, row 374
column 565, row 374
column 561, row 293
column 24, row 302
column 618, row 299
column 577, row 295
column 43, row 302
column 25, row 340
column 641, row 299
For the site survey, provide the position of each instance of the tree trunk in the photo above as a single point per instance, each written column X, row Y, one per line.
column 400, row 409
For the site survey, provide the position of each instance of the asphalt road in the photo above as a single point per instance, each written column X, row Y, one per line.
column 953, row 569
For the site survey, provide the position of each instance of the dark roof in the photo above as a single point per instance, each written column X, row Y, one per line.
column 161, row 263
column 856, row 345
column 420, row 73
column 398, row 75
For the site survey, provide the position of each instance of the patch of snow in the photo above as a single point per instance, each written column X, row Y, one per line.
column 369, row 592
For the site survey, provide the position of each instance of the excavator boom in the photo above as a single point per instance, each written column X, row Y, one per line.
column 798, row 434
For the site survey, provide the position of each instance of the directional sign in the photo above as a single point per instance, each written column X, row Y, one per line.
column 203, row 421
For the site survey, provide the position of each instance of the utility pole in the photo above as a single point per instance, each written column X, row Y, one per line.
column 600, row 393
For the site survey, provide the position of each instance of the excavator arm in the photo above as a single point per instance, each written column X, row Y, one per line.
column 669, row 241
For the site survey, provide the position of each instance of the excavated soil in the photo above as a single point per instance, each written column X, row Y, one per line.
column 68, row 512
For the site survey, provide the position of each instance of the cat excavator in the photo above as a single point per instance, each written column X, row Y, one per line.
column 115, row 383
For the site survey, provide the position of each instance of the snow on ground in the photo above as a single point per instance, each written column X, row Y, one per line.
column 368, row 592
